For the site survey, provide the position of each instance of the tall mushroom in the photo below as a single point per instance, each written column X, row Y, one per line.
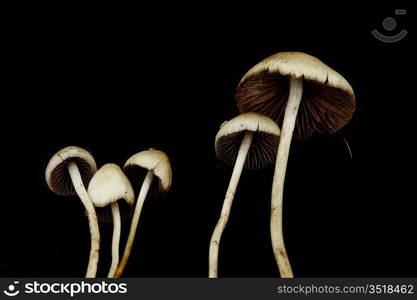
column 156, row 164
column 249, row 140
column 305, row 96
column 109, row 185
column 67, row 174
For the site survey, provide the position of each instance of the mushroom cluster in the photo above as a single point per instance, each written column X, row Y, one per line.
column 302, row 95
column 71, row 169
column 293, row 91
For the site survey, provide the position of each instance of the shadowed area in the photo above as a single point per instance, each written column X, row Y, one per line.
column 261, row 153
column 61, row 179
column 323, row 109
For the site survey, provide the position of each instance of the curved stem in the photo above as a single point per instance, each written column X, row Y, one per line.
column 227, row 204
column 294, row 99
column 116, row 239
column 135, row 220
column 92, row 219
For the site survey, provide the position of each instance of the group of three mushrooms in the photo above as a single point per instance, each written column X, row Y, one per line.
column 72, row 169
column 302, row 95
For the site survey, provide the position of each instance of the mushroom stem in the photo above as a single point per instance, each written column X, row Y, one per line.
column 92, row 219
column 227, row 204
column 290, row 116
column 135, row 220
column 116, row 239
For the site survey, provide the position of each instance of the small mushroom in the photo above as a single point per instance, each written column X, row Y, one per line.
column 67, row 174
column 303, row 94
column 156, row 164
column 107, row 187
column 249, row 140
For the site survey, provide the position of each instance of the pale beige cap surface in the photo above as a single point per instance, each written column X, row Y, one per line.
column 57, row 175
column 328, row 99
column 264, row 144
column 109, row 184
column 155, row 161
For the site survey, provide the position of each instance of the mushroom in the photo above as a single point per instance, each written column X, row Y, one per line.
column 249, row 140
column 107, row 187
column 67, row 174
column 305, row 96
column 156, row 164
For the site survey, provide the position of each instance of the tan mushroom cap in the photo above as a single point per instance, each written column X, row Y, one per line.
column 264, row 144
column 109, row 185
column 153, row 160
column 328, row 99
column 57, row 175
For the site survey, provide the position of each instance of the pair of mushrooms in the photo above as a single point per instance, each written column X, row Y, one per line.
column 71, row 169
column 303, row 95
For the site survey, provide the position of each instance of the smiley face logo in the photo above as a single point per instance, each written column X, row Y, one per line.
column 389, row 24
column 11, row 290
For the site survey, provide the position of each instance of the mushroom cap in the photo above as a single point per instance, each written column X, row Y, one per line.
column 57, row 175
column 264, row 144
column 151, row 160
column 109, row 185
column 328, row 100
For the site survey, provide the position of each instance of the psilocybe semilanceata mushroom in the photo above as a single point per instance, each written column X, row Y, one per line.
column 158, row 179
column 249, row 140
column 109, row 185
column 303, row 94
column 67, row 174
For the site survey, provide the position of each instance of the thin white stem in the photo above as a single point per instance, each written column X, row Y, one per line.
column 92, row 219
column 116, row 239
column 135, row 221
column 278, row 246
column 227, row 204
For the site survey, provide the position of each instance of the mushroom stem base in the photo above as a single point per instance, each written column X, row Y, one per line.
column 227, row 204
column 290, row 117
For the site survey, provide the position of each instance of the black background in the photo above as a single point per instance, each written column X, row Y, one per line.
column 118, row 81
